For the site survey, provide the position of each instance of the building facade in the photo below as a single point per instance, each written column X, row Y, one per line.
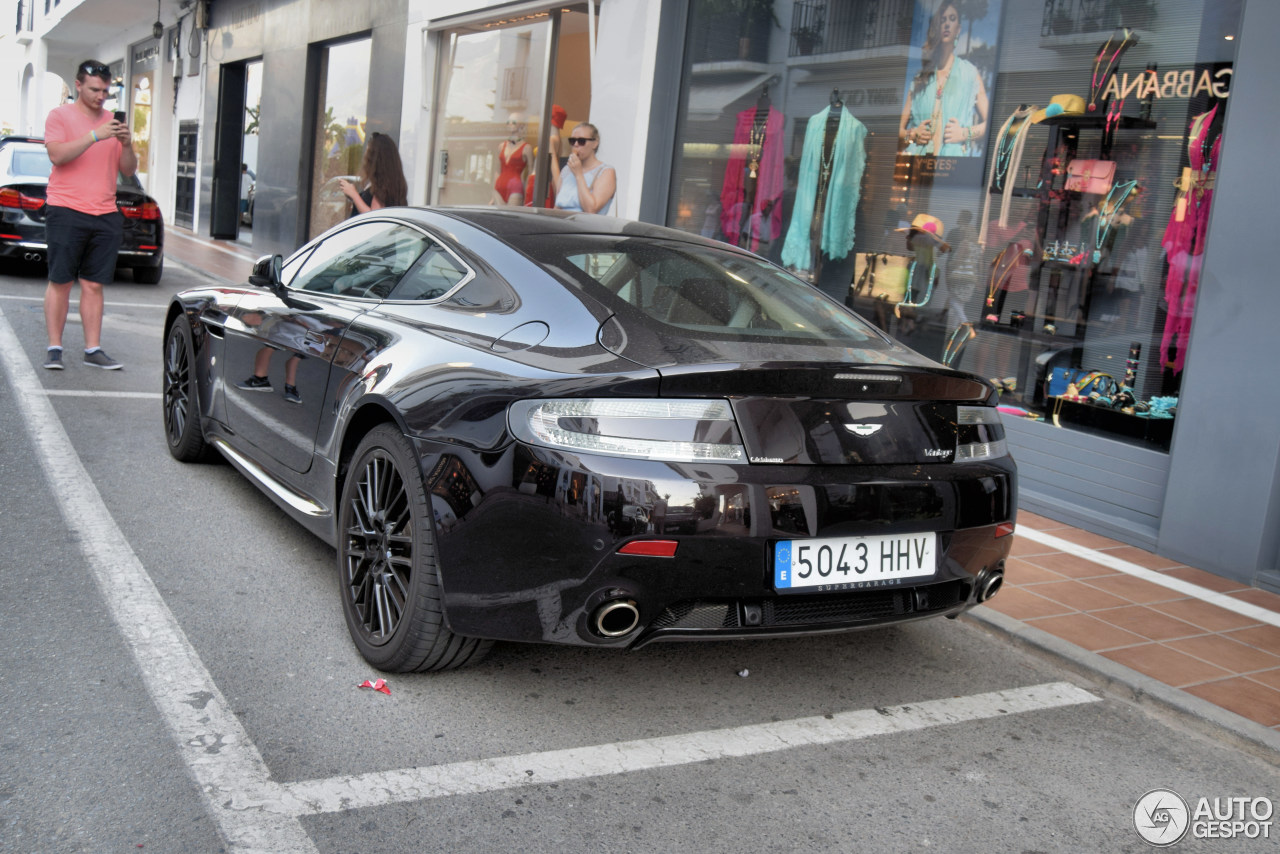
column 1090, row 163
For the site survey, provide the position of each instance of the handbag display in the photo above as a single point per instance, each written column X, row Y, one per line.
column 1091, row 176
column 880, row 276
column 1086, row 382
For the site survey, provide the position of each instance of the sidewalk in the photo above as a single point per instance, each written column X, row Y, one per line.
column 1200, row 643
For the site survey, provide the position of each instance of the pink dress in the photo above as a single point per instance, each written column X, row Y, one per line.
column 1184, row 241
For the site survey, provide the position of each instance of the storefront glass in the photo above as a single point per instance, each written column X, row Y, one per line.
column 340, row 130
column 1015, row 189
column 490, row 138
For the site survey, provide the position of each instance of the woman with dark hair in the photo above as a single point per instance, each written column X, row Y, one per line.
column 383, row 176
column 946, row 111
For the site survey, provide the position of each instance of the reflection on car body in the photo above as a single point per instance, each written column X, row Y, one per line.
column 533, row 426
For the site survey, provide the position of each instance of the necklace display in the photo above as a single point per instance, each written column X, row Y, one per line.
column 959, row 337
column 911, row 277
column 1107, row 213
column 757, row 144
column 1004, row 149
column 1098, row 82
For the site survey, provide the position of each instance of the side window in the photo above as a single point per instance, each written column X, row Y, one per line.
column 436, row 274
column 365, row 260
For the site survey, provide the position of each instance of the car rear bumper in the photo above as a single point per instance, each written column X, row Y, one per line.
column 531, row 552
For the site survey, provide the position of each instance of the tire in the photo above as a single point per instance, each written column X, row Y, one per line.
column 387, row 563
column 180, row 397
column 149, row 275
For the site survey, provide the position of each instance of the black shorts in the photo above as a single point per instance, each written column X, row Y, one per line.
column 81, row 245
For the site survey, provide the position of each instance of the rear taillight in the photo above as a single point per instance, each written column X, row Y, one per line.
column 11, row 197
column 979, row 434
column 146, row 210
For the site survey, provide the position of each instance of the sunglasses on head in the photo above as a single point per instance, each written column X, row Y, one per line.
column 95, row 70
column 581, row 140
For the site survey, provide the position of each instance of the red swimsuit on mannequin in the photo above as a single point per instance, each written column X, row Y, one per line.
column 511, row 178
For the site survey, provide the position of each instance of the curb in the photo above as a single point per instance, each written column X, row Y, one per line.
column 1204, row 717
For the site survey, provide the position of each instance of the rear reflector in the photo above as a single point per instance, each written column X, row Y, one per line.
column 650, row 548
column 1004, row 529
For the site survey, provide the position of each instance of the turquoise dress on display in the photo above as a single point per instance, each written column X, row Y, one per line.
column 848, row 159
column 959, row 101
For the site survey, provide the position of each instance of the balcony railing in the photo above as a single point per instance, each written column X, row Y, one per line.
column 818, row 26
column 1069, row 17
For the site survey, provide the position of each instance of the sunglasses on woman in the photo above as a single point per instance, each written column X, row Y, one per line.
column 581, row 140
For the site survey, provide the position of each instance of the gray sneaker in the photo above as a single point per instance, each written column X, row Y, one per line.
column 53, row 359
column 100, row 359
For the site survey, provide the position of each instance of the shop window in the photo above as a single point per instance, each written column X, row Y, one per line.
column 1018, row 190
column 340, row 130
column 503, row 116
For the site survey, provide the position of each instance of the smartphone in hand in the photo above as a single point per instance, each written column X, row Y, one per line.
column 119, row 116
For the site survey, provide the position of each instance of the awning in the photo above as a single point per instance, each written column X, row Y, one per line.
column 707, row 102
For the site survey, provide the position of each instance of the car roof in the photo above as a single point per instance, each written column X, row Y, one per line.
column 512, row 221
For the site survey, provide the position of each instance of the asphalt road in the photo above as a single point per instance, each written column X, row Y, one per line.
column 175, row 675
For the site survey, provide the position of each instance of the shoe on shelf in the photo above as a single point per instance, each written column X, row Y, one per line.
column 291, row 394
column 99, row 359
column 53, row 359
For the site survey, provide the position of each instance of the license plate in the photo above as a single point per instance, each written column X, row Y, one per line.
column 848, row 563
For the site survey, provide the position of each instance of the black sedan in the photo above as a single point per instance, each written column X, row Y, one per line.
column 531, row 426
column 24, row 177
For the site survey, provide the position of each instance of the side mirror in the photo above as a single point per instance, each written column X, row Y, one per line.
column 266, row 272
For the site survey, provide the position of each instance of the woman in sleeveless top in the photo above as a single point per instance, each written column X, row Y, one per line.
column 589, row 184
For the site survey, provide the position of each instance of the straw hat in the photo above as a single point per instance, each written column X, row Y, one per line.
column 930, row 226
column 1060, row 105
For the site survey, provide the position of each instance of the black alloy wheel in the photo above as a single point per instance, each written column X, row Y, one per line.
column 387, row 563
column 182, row 429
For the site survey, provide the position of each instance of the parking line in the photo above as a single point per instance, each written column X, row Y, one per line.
column 75, row 316
column 71, row 392
column 255, row 813
column 1204, row 594
column 534, row 769
column 216, row 749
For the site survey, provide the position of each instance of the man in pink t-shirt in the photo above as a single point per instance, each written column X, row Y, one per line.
column 82, row 225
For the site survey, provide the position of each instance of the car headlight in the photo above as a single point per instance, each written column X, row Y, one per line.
column 979, row 434
column 669, row 430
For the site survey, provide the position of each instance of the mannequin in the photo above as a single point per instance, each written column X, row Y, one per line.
column 831, row 167
column 750, row 200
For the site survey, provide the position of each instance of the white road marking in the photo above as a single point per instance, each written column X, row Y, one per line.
column 70, row 392
column 534, row 769
column 1245, row 609
column 75, row 317
column 217, row 750
column 255, row 813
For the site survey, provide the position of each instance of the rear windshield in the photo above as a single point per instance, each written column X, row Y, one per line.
column 31, row 162
column 700, row 290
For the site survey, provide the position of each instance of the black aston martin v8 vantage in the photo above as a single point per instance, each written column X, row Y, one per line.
column 518, row 424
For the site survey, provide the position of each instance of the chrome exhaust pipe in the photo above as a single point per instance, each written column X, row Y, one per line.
column 616, row 618
column 33, row 256
column 989, row 584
